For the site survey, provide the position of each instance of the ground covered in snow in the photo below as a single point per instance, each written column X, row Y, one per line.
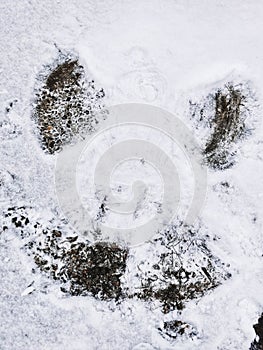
column 190, row 287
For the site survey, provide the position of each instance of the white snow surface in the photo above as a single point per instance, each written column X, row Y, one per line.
column 158, row 52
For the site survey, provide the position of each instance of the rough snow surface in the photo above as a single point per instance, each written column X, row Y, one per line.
column 163, row 53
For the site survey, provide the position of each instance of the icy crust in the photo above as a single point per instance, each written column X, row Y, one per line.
column 226, row 116
column 67, row 105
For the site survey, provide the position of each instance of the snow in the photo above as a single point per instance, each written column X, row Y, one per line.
column 156, row 52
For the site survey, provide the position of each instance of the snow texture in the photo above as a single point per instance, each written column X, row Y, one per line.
column 167, row 54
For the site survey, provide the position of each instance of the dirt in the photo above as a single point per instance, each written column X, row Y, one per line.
column 95, row 269
column 224, row 113
column 81, row 267
column 228, row 127
column 67, row 104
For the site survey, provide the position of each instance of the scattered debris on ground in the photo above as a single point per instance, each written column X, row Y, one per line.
column 184, row 269
column 176, row 328
column 67, row 105
column 9, row 128
column 83, row 268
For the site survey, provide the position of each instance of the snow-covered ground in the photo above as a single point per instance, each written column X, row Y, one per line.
column 159, row 52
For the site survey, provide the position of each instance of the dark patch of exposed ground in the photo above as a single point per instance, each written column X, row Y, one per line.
column 224, row 112
column 228, row 127
column 67, row 105
column 95, row 269
column 258, row 342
